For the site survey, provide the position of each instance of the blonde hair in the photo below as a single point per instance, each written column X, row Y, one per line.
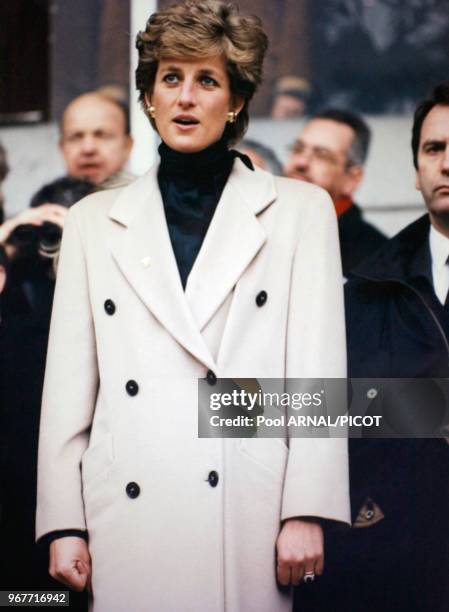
column 196, row 29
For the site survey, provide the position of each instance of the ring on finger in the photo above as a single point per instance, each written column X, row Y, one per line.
column 309, row 576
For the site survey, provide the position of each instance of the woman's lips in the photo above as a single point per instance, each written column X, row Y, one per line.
column 185, row 127
column 186, row 123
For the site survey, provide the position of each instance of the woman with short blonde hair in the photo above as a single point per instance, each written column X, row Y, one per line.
column 201, row 29
column 202, row 268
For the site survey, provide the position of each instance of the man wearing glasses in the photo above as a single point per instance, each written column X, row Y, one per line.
column 330, row 152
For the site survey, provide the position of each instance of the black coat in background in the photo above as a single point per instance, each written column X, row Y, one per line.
column 26, row 305
column 396, row 328
column 23, row 341
column 358, row 238
column 23, row 346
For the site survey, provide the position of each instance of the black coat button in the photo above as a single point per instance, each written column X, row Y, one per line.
column 213, row 478
column 261, row 298
column 132, row 490
column 109, row 307
column 132, row 388
column 211, row 378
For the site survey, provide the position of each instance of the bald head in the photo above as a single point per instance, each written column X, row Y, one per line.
column 94, row 140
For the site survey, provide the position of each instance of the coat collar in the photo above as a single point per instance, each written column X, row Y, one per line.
column 256, row 189
column 234, row 237
column 142, row 249
column 403, row 258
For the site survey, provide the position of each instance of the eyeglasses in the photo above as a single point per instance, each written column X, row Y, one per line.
column 320, row 154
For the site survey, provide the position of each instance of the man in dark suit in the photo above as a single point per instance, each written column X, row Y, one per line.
column 397, row 555
column 330, row 152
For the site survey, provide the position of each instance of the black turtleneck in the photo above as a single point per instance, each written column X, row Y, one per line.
column 191, row 185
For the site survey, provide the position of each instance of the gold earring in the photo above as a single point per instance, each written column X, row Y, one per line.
column 151, row 110
column 232, row 116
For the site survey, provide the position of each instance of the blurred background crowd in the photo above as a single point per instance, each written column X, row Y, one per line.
column 372, row 56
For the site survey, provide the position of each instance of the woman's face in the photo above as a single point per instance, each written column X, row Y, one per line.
column 192, row 98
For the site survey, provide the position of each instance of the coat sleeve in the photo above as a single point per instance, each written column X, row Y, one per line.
column 316, row 480
column 70, row 390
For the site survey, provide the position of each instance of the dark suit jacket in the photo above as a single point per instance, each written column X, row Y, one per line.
column 358, row 238
column 396, row 327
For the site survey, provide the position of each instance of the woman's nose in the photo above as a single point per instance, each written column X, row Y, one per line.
column 187, row 93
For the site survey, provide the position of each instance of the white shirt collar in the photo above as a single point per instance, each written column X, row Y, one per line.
column 439, row 252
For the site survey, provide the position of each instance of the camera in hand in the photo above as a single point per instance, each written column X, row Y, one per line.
column 31, row 238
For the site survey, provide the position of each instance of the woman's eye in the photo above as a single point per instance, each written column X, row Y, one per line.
column 170, row 78
column 207, row 80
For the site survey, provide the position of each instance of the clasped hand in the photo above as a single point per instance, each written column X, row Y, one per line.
column 70, row 563
column 300, row 549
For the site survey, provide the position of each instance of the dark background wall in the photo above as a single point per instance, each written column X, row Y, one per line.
column 89, row 48
column 53, row 50
column 24, row 53
column 375, row 57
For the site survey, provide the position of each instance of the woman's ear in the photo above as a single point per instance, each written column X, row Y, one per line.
column 147, row 99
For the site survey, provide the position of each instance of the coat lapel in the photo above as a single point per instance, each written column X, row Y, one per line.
column 234, row 237
column 142, row 249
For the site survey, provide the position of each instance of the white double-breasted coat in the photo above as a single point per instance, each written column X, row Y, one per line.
column 119, row 453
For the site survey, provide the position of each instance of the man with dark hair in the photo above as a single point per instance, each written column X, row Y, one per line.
column 95, row 138
column 396, row 557
column 64, row 191
column 331, row 152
